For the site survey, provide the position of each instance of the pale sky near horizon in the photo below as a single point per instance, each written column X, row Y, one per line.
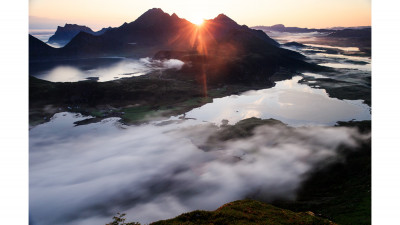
column 301, row 13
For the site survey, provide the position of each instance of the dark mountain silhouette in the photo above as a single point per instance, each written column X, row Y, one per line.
column 153, row 28
column 64, row 34
column 220, row 47
column 223, row 26
column 354, row 28
column 282, row 28
column 294, row 44
column 156, row 30
column 352, row 33
column 38, row 49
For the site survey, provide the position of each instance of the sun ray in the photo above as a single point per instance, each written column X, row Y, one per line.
column 197, row 20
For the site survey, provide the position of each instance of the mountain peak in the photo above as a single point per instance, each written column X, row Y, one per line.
column 151, row 16
column 278, row 26
column 73, row 27
column 222, row 16
column 70, row 25
column 224, row 19
column 154, row 11
column 64, row 34
column 174, row 16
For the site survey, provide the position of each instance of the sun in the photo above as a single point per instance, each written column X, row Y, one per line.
column 197, row 20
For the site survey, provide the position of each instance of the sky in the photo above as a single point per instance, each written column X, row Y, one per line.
column 301, row 13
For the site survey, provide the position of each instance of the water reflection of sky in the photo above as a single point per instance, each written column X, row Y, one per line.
column 71, row 73
column 366, row 67
column 349, row 57
column 315, row 75
column 116, row 68
column 289, row 101
column 355, row 49
column 340, row 61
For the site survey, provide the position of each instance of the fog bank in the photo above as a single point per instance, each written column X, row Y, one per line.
column 86, row 174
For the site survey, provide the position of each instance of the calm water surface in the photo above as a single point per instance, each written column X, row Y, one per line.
column 289, row 101
column 100, row 69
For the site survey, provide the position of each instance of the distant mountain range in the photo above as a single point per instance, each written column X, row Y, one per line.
column 352, row 33
column 64, row 34
column 283, row 28
column 354, row 28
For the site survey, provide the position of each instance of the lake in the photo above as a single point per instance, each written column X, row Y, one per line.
column 289, row 101
column 99, row 69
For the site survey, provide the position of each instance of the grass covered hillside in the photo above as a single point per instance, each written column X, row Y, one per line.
column 246, row 212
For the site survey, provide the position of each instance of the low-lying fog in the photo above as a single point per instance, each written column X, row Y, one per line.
column 283, row 37
column 44, row 35
column 86, row 174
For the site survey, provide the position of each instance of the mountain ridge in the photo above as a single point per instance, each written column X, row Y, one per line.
column 283, row 28
column 154, row 28
column 64, row 34
column 220, row 47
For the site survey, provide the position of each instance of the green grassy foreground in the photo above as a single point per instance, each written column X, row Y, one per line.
column 239, row 212
column 245, row 212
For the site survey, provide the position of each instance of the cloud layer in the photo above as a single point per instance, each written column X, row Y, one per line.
column 85, row 174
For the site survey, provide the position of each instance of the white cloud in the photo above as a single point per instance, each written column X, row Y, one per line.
column 88, row 173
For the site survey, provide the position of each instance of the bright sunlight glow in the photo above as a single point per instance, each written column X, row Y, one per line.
column 197, row 20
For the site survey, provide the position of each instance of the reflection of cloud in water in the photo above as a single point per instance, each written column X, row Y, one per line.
column 85, row 174
column 252, row 113
column 289, row 101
